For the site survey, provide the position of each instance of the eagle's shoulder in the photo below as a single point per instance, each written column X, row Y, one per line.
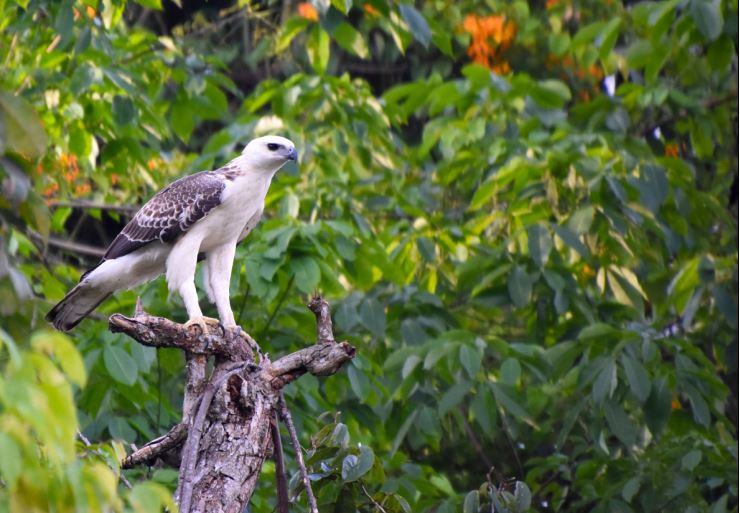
column 170, row 212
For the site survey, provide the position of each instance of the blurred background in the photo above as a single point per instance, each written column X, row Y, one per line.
column 524, row 216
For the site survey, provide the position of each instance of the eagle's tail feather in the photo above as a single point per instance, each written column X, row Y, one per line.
column 76, row 305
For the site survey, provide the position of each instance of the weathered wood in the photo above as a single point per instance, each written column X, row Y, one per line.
column 225, row 434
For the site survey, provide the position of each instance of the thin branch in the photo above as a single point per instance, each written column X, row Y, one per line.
column 120, row 474
column 280, row 479
column 375, row 503
column 126, row 209
column 74, row 247
column 157, row 447
column 474, row 440
column 288, row 419
column 277, row 308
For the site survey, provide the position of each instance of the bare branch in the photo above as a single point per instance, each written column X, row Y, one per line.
column 157, row 447
column 288, row 419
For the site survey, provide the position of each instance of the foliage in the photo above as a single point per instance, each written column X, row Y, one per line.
column 525, row 217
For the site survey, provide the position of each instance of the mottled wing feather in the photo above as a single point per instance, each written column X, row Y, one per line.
column 170, row 213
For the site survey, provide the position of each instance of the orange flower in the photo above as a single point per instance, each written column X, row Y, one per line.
column 50, row 190
column 490, row 36
column 82, row 189
column 675, row 404
column 671, row 150
column 551, row 4
column 152, row 164
column 307, row 11
column 114, row 179
column 372, row 11
column 90, row 11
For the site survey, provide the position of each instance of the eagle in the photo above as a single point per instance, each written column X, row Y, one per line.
column 201, row 215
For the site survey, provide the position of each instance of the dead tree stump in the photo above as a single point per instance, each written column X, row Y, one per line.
column 225, row 433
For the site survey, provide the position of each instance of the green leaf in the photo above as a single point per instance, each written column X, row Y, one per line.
column 372, row 316
column 511, row 370
column 359, row 382
column 559, row 43
column 351, row 40
column 417, row 24
column 11, row 464
column 608, row 37
column 550, row 94
column 540, row 244
column 470, row 359
column 505, row 398
column 112, row 13
column 707, row 15
column 342, row 6
column 658, row 406
column 620, row 424
column 318, row 49
column 151, row 4
column 630, row 489
column 120, row 365
column 605, row 382
column 24, row 134
column 581, row 220
column 123, row 110
column 472, row 502
column 637, row 377
column 484, row 409
column 520, row 286
column 453, row 397
column 289, row 31
column 182, row 119
column 653, row 186
column 690, row 460
column 307, row 273
column 522, row 496
column 571, row 239
column 354, row 467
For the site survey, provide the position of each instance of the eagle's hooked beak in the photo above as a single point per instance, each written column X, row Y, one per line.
column 292, row 154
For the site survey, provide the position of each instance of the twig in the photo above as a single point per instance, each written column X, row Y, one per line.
column 277, row 308
column 280, row 480
column 128, row 209
column 375, row 503
column 88, row 444
column 474, row 440
column 192, row 444
column 74, row 247
column 157, row 447
column 285, row 414
column 324, row 328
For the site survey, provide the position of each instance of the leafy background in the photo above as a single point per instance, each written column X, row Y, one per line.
column 523, row 214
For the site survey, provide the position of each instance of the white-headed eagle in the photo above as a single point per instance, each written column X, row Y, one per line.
column 206, row 214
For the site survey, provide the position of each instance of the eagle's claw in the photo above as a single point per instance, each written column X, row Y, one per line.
column 203, row 322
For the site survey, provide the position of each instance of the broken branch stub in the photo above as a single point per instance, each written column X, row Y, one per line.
column 224, row 437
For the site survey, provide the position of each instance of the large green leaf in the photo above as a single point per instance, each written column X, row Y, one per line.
column 22, row 128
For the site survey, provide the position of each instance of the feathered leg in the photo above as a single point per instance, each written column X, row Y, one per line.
column 219, row 264
column 181, row 264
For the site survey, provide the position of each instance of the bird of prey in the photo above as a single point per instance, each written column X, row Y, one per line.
column 205, row 214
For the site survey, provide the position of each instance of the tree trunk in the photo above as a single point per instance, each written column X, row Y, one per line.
column 225, row 434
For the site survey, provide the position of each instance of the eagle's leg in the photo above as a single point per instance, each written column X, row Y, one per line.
column 181, row 264
column 218, row 264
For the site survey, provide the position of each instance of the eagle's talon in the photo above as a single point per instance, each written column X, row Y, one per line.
column 202, row 323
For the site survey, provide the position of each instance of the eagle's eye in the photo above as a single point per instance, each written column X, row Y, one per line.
column 272, row 146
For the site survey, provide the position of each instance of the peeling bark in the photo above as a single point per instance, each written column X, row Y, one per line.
column 225, row 434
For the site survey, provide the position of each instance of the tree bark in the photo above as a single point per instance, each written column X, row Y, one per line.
column 225, row 434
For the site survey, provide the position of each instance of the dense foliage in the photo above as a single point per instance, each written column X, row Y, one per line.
column 524, row 216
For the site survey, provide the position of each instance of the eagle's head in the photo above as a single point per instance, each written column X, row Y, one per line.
column 270, row 152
